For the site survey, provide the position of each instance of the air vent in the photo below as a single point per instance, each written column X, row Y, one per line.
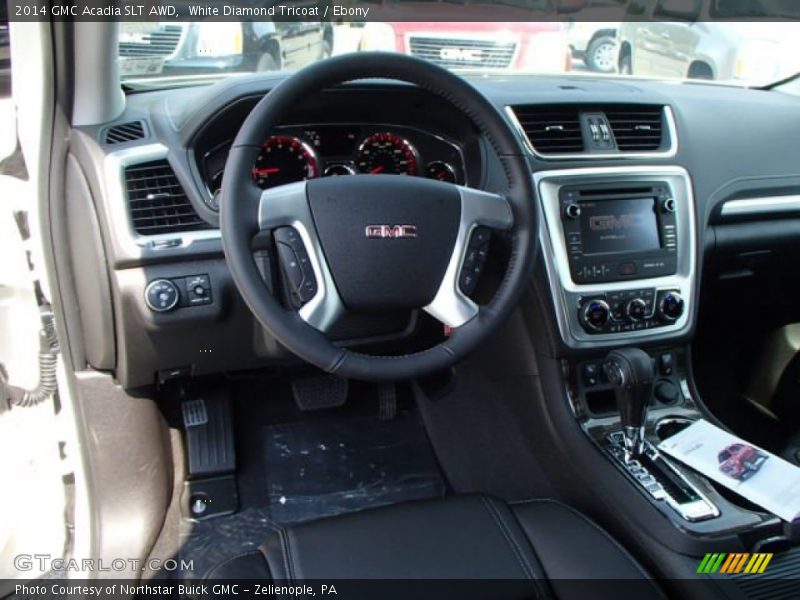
column 127, row 132
column 157, row 201
column 551, row 129
column 636, row 127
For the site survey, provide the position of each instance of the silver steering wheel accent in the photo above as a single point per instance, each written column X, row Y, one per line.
column 450, row 305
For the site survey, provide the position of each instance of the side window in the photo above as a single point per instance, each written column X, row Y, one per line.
column 682, row 10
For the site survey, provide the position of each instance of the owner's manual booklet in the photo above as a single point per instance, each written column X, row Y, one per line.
column 756, row 474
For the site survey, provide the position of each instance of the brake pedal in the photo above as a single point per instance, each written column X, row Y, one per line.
column 317, row 392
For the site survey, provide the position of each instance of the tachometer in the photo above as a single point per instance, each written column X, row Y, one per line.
column 284, row 159
column 441, row 170
column 387, row 152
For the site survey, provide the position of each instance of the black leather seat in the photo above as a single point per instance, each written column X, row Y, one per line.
column 539, row 544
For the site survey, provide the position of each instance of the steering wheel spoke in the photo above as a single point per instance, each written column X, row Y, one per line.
column 285, row 211
column 479, row 210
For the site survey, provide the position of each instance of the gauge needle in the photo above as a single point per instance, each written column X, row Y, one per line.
column 267, row 171
column 376, row 170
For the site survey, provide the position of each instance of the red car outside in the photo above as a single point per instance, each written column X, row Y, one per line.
column 480, row 42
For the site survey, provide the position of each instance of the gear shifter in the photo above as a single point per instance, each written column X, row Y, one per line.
column 631, row 371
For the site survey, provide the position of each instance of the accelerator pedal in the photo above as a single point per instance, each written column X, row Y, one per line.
column 316, row 392
column 387, row 401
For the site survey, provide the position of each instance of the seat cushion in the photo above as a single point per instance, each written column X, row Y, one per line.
column 457, row 538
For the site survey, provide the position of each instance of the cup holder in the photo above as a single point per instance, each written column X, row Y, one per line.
column 669, row 426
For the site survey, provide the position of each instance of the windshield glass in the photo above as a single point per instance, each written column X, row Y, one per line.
column 682, row 41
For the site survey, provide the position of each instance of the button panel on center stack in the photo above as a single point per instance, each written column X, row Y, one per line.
column 629, row 310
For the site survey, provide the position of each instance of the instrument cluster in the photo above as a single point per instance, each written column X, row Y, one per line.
column 301, row 152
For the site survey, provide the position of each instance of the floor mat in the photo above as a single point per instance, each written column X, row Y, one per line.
column 327, row 467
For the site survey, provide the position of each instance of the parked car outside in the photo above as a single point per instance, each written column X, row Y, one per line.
column 676, row 38
column 595, row 44
column 214, row 47
column 482, row 40
column 741, row 461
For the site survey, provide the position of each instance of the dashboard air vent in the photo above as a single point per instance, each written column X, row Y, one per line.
column 157, row 202
column 126, row 132
column 636, row 127
column 551, row 129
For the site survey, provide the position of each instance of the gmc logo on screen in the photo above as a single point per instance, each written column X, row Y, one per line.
column 391, row 231
column 614, row 222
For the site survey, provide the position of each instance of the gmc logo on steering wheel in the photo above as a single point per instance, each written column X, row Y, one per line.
column 391, row 231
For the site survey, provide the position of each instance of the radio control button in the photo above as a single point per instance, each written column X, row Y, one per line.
column 572, row 211
column 668, row 205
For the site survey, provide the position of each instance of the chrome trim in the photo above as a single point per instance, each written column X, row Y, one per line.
column 669, row 153
column 130, row 244
column 287, row 205
column 469, row 36
column 698, row 510
column 566, row 294
column 768, row 205
column 450, row 305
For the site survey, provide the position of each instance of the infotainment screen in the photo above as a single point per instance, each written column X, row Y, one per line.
column 613, row 226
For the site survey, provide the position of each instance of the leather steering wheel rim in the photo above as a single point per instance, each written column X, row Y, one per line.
column 241, row 201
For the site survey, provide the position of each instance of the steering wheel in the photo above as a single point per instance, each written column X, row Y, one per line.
column 376, row 243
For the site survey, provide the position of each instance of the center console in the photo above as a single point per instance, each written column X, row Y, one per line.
column 620, row 253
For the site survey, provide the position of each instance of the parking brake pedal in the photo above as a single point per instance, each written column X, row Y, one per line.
column 316, row 392
column 210, row 489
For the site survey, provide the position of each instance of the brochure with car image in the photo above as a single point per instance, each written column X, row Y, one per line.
column 759, row 476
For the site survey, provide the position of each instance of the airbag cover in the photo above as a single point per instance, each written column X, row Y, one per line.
column 388, row 238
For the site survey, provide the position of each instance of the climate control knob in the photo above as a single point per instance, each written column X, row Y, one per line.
column 595, row 314
column 161, row 295
column 636, row 309
column 671, row 306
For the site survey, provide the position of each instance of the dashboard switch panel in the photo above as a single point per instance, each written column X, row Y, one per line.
column 164, row 295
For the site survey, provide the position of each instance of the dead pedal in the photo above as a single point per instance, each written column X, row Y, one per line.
column 317, row 392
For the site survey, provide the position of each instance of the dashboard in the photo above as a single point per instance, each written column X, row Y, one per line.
column 728, row 169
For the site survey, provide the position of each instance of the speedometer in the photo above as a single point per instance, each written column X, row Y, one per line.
column 284, row 159
column 387, row 152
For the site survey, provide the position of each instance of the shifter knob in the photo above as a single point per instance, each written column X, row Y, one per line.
column 631, row 371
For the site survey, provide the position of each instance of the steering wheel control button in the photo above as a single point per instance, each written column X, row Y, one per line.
column 161, row 295
column 198, row 290
column 474, row 259
column 296, row 266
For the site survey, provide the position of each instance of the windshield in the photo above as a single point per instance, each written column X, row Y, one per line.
column 489, row 38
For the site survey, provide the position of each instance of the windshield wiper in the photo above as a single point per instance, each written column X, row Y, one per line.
column 780, row 82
